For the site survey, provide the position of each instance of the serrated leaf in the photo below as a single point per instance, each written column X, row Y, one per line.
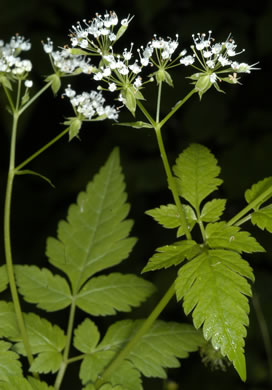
column 263, row 218
column 213, row 210
column 50, row 292
column 9, row 364
column 105, row 295
column 3, row 278
column 168, row 216
column 214, row 287
column 38, row 385
column 86, row 336
column 196, row 170
column 257, row 189
column 169, row 255
column 47, row 362
column 221, row 235
column 125, row 375
column 136, row 125
column 95, row 234
column 16, row 383
column 8, row 321
column 43, row 336
column 170, row 340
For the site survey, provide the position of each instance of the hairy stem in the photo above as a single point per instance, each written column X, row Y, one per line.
column 7, row 243
column 65, row 362
column 141, row 331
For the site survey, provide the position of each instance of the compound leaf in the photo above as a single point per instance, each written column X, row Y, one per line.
column 213, row 210
column 257, row 189
column 16, row 383
column 104, row 295
column 214, row 287
column 221, row 235
column 3, row 278
column 169, row 340
column 95, row 234
column 10, row 366
column 50, row 292
column 86, row 336
column 196, row 170
column 169, row 255
column 263, row 218
column 8, row 321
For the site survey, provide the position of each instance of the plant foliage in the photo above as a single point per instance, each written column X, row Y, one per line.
column 214, row 282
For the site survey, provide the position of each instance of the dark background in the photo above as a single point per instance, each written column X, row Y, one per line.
column 235, row 126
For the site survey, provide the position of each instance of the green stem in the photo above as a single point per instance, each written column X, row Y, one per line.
column 263, row 196
column 177, row 107
column 9, row 98
column 42, row 90
column 65, row 362
column 172, row 183
column 141, row 331
column 7, row 242
column 36, row 154
column 158, row 103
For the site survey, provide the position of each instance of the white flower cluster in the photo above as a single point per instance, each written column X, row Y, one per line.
column 10, row 62
column 90, row 105
column 101, row 28
column 214, row 56
column 64, row 62
column 164, row 50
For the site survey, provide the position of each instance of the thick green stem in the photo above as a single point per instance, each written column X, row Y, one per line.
column 7, row 243
column 65, row 361
column 141, row 331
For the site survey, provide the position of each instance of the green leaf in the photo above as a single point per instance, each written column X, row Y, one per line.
column 130, row 99
column 258, row 189
column 38, row 385
column 135, row 125
column 3, row 278
column 56, row 83
column 105, row 295
column 50, row 292
column 197, row 171
column 16, row 382
column 95, row 234
column 43, row 336
column 213, row 210
column 9, row 364
column 86, row 336
column 214, row 287
column 263, row 218
column 47, row 362
column 221, row 235
column 8, row 321
column 168, row 216
column 5, row 82
column 170, row 340
column 169, row 255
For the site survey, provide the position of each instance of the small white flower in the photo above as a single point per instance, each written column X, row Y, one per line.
column 188, row 60
column 112, row 87
column 28, row 83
